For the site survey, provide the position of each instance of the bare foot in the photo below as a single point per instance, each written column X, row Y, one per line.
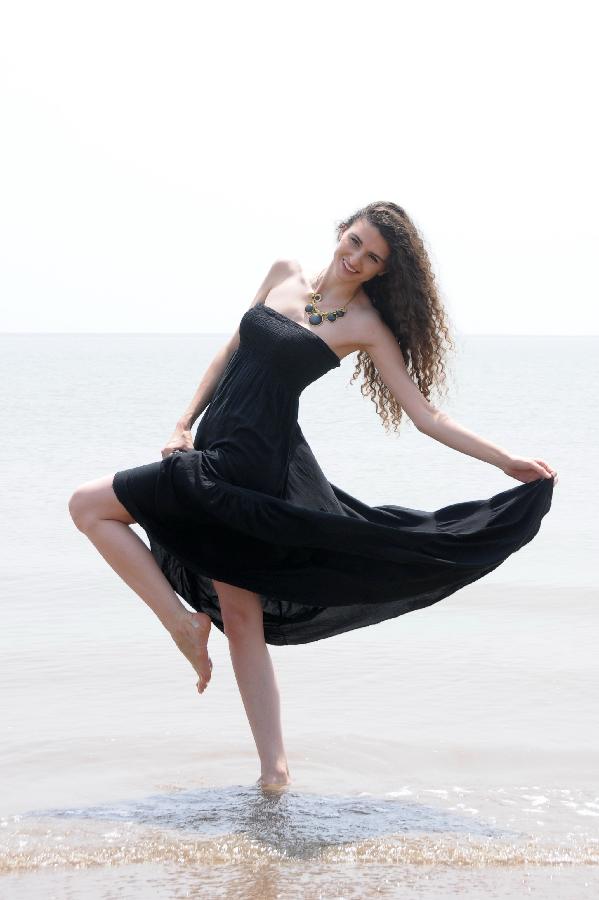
column 275, row 780
column 190, row 633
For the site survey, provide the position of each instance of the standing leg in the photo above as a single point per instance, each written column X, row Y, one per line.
column 244, row 627
column 98, row 513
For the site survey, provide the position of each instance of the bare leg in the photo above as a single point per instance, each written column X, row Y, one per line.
column 243, row 622
column 98, row 513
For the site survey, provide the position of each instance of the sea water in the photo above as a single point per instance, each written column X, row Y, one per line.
column 453, row 751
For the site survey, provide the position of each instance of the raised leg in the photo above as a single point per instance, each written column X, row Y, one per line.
column 243, row 623
column 98, row 513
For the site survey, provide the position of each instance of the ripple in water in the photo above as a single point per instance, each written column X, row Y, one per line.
column 235, row 825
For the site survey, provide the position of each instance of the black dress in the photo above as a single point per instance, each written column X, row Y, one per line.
column 250, row 506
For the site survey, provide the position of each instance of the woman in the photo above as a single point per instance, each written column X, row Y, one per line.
column 243, row 523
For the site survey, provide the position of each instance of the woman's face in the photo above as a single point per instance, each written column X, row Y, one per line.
column 362, row 249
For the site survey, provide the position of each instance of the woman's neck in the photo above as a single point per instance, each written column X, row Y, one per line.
column 334, row 291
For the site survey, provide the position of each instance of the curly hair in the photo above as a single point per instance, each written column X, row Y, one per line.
column 407, row 299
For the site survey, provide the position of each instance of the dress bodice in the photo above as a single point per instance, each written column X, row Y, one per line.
column 295, row 354
column 252, row 417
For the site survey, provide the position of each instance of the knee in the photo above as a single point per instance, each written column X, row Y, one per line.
column 241, row 613
column 80, row 509
column 239, row 624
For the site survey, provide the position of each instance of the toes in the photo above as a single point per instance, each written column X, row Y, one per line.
column 202, row 682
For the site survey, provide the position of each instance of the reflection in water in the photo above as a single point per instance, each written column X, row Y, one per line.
column 293, row 824
column 234, row 825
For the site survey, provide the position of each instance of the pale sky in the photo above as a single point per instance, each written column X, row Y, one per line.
column 157, row 157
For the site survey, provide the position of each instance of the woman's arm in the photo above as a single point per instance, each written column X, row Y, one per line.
column 181, row 438
column 207, row 386
column 382, row 347
column 449, row 432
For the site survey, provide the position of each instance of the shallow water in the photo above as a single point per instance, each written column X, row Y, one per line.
column 452, row 751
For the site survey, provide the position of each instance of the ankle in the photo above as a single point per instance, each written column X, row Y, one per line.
column 178, row 621
column 274, row 781
column 275, row 772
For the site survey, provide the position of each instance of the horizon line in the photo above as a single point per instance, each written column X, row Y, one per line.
column 220, row 333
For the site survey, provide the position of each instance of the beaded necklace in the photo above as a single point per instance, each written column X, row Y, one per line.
column 316, row 316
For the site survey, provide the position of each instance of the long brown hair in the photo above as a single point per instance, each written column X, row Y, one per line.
column 407, row 299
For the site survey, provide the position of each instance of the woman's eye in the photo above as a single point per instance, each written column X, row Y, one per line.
column 354, row 240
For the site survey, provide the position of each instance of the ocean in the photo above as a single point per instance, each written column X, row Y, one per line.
column 451, row 752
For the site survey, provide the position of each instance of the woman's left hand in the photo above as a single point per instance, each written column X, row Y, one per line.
column 527, row 469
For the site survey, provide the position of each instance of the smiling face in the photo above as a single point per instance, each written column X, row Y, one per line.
column 362, row 249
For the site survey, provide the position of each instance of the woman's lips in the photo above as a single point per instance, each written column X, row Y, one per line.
column 351, row 271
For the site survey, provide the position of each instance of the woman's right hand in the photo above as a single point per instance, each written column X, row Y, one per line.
column 181, row 439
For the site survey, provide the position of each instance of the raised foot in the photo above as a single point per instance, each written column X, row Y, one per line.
column 190, row 633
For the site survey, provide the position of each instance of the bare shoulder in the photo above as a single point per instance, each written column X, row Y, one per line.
column 282, row 268
column 372, row 332
column 279, row 271
column 384, row 349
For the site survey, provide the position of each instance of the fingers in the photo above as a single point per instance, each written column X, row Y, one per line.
column 546, row 469
column 169, row 452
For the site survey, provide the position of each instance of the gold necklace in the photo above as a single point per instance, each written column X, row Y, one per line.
column 316, row 316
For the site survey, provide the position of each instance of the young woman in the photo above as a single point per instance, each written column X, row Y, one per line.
column 241, row 520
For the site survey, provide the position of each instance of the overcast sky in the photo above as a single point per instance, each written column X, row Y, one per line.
column 157, row 157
